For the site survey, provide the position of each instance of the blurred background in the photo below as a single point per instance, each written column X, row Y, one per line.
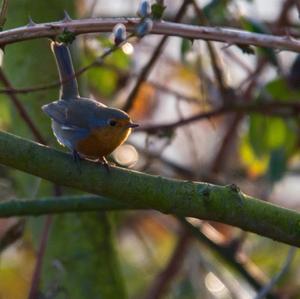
column 160, row 256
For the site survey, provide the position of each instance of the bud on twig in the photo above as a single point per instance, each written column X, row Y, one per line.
column 144, row 28
column 144, row 9
column 119, row 33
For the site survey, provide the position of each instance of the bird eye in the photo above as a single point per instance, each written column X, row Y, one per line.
column 112, row 122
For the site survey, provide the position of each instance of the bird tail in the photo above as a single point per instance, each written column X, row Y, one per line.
column 69, row 87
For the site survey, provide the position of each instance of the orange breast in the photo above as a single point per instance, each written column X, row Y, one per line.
column 101, row 142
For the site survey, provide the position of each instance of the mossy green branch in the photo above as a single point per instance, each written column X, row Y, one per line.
column 226, row 204
column 58, row 205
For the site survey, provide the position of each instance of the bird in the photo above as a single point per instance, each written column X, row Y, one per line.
column 88, row 128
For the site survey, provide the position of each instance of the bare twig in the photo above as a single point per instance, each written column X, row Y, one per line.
column 282, row 19
column 216, row 63
column 297, row 2
column 226, row 253
column 284, row 269
column 247, row 95
column 34, row 287
column 148, row 67
column 26, row 117
column 96, row 25
column 162, row 281
column 3, row 12
column 283, row 109
column 97, row 62
column 47, row 224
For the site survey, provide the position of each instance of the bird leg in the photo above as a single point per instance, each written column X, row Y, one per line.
column 105, row 163
column 76, row 159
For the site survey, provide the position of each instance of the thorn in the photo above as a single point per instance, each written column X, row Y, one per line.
column 2, row 47
column 31, row 23
column 206, row 192
column 234, row 188
column 67, row 17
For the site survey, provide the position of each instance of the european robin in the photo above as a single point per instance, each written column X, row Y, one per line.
column 86, row 127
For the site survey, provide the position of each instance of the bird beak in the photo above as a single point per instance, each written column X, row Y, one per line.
column 132, row 125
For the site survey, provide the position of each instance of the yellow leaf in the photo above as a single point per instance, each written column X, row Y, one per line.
column 16, row 268
column 255, row 166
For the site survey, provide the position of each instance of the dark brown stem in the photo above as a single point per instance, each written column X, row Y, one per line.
column 282, row 20
column 3, row 12
column 280, row 108
column 23, row 113
column 47, row 224
column 164, row 278
column 225, row 253
column 215, row 61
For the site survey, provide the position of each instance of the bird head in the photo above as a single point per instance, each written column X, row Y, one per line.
column 113, row 125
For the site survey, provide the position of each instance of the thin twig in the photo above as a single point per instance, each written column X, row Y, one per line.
column 148, row 67
column 216, row 63
column 247, row 96
column 47, row 224
column 280, row 108
column 297, row 2
column 97, row 62
column 3, row 12
column 282, row 19
column 162, row 281
column 284, row 269
column 22, row 111
column 36, row 277
column 225, row 253
column 35, row 281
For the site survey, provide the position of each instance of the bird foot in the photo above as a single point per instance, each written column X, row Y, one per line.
column 105, row 163
column 77, row 158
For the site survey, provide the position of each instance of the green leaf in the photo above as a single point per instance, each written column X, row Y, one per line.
column 157, row 11
column 66, row 37
column 274, row 139
column 105, row 79
column 258, row 27
column 216, row 11
column 186, row 46
column 279, row 89
column 277, row 164
column 257, row 134
column 269, row 133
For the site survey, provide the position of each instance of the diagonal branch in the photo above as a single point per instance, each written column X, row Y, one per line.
column 161, row 283
column 224, row 204
column 149, row 65
column 21, row 109
column 3, row 12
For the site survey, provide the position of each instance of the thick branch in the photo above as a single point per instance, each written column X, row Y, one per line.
column 225, row 35
column 184, row 198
